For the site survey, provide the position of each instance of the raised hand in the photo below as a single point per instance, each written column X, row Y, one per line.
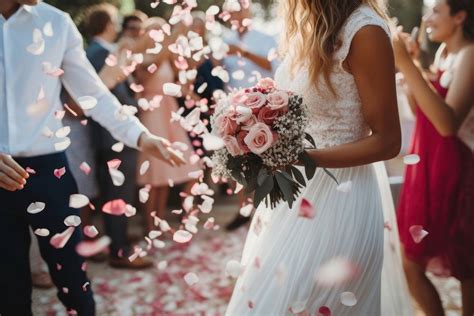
column 12, row 175
column 161, row 149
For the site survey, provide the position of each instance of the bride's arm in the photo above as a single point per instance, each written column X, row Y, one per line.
column 371, row 62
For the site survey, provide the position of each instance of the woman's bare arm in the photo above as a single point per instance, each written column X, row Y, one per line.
column 371, row 63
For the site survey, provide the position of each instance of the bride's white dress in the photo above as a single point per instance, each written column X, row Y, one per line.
column 285, row 256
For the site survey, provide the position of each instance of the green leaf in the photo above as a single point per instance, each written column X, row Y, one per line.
column 298, row 175
column 309, row 165
column 285, row 187
column 263, row 190
column 262, row 176
column 310, row 139
column 331, row 175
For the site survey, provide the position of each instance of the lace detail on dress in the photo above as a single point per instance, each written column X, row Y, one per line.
column 334, row 120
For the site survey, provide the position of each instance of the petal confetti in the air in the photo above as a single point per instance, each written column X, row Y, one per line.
column 417, row 233
column 307, row 210
column 411, row 159
column 36, row 207
column 91, row 248
column 78, row 201
column 59, row 240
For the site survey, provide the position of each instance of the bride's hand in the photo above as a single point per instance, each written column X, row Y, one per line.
column 161, row 149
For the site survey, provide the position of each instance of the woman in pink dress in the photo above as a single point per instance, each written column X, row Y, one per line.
column 438, row 192
column 157, row 118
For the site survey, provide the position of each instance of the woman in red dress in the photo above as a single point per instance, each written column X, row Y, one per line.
column 437, row 196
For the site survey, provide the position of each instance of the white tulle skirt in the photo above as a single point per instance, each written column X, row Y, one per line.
column 298, row 265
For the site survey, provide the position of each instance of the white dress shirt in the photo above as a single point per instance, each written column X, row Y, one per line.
column 30, row 98
column 252, row 41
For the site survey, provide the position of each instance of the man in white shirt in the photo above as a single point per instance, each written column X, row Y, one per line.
column 37, row 43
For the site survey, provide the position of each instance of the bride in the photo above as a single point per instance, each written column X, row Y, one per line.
column 339, row 57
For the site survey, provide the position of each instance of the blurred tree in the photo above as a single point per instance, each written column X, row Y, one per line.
column 408, row 12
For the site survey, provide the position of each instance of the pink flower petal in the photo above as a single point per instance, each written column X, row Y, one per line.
column 59, row 240
column 417, row 233
column 114, row 163
column 137, row 88
column 91, row 248
column 85, row 168
column 348, row 299
column 246, row 210
column 58, row 173
column 335, row 272
column 171, row 89
column 191, row 278
column 30, row 170
column 115, row 207
column 91, row 231
column 111, row 60
column 182, row 236
column 324, row 311
column 306, row 209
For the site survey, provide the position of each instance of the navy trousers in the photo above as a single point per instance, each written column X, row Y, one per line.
column 65, row 265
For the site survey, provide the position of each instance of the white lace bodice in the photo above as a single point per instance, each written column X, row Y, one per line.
column 334, row 120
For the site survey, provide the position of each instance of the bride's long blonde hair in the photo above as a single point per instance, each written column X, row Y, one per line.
column 311, row 32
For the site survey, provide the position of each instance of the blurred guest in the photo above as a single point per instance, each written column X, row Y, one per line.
column 248, row 53
column 132, row 25
column 248, row 49
column 435, row 214
column 102, row 27
column 195, row 93
column 157, row 118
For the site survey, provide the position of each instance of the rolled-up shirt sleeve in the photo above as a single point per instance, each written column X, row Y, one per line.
column 80, row 79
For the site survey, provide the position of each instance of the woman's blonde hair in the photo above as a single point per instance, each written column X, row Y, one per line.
column 311, row 32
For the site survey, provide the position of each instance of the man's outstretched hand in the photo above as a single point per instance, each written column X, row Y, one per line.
column 161, row 149
column 12, row 175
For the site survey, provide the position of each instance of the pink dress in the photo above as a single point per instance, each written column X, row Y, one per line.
column 438, row 194
column 158, row 122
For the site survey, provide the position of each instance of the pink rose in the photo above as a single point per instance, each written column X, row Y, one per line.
column 255, row 100
column 240, row 140
column 250, row 122
column 232, row 145
column 266, row 83
column 259, row 138
column 268, row 116
column 225, row 126
column 278, row 100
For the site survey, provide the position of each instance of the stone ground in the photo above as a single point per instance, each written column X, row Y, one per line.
column 162, row 290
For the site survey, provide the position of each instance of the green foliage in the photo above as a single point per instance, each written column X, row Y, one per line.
column 77, row 8
column 408, row 12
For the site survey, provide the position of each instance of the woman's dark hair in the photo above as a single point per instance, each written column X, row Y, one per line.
column 467, row 6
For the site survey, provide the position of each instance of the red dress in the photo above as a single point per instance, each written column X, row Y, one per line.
column 438, row 194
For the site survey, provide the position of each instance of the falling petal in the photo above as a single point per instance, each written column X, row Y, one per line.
column 63, row 132
column 43, row 232
column 171, row 89
column 118, row 178
column 233, row 269
column 335, row 272
column 196, row 174
column 48, row 29
column 348, row 299
column 37, row 47
column 324, row 311
column 118, row 147
column 345, row 186
column 307, row 210
column 152, row 68
column 130, row 211
column 417, row 233
column 72, row 221
column 246, row 210
column 154, row 234
column 63, row 145
column 144, row 167
column 59, row 240
column 90, row 231
column 411, row 159
column 238, row 75
column 191, row 278
column 209, row 224
column 207, row 204
column 111, row 60
column 30, row 170
column 115, row 207
column 91, row 248
column 182, row 236
column 164, row 226
column 137, row 88
column 143, row 195
column 58, row 173
column 87, row 102
column 78, row 201
column 85, row 168
column 298, row 308
column 36, row 207
column 212, row 142
column 162, row 265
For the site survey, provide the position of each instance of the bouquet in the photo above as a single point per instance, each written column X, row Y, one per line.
column 263, row 130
